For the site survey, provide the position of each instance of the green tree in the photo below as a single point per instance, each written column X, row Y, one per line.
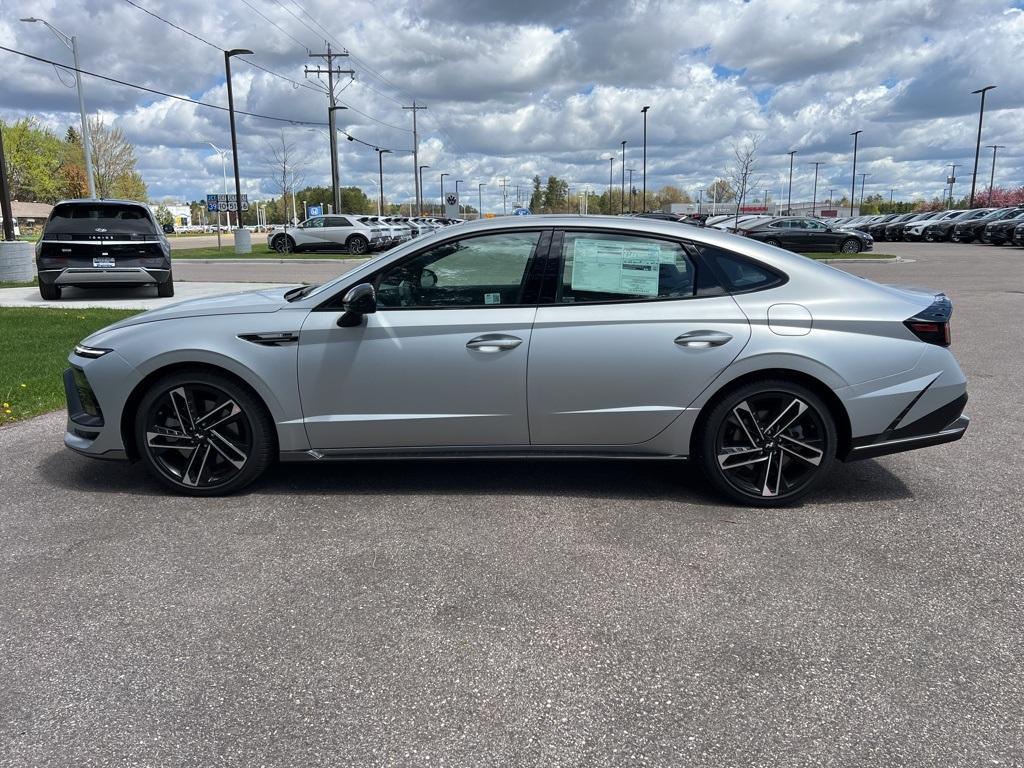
column 113, row 163
column 163, row 215
column 721, row 191
column 555, row 193
column 536, row 196
column 128, row 186
column 33, row 157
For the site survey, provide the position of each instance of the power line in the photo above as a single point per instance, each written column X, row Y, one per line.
column 299, row 18
column 186, row 99
column 273, row 23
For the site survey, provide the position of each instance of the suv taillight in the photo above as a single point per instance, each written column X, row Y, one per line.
column 932, row 325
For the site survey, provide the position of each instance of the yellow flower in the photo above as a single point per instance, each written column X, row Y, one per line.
column 7, row 405
column 24, row 386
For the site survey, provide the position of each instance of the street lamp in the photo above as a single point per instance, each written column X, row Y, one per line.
column 622, row 196
column 611, row 164
column 853, row 181
column 419, row 202
column 380, row 171
column 72, row 43
column 814, row 196
column 241, row 243
column 992, row 178
column 335, row 181
column 789, row 195
column 442, row 191
column 480, row 200
column 643, row 200
column 632, row 193
column 458, row 200
column 977, row 148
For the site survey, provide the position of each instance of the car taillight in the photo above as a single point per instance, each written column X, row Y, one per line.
column 932, row 325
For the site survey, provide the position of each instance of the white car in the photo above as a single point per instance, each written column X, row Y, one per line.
column 331, row 232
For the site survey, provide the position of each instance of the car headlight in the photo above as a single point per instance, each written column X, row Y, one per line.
column 90, row 352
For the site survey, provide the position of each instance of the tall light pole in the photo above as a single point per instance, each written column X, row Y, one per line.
column 422, row 197
column 480, row 200
column 380, row 173
column 977, row 147
column 951, row 181
column 632, row 194
column 863, row 176
column 442, row 191
column 335, row 170
column 72, row 43
column 240, row 247
column 992, row 178
column 458, row 199
column 814, row 196
column 643, row 199
column 789, row 196
column 853, row 181
column 611, row 167
column 622, row 196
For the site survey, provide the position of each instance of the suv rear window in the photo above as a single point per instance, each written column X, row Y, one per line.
column 116, row 218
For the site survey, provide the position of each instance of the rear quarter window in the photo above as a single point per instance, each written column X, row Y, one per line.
column 739, row 274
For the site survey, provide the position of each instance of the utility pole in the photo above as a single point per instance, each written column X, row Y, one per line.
column 643, row 203
column 992, row 178
column 863, row 176
column 611, row 168
column 622, row 194
column 329, row 57
column 951, row 181
column 415, row 151
column 504, row 195
column 853, row 176
column 814, row 196
column 789, row 195
column 632, row 190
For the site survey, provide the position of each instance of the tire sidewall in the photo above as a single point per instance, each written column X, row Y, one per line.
column 365, row 244
column 264, row 440
column 709, row 427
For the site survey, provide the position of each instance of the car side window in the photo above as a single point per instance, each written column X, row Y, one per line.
column 339, row 221
column 313, row 223
column 483, row 271
column 600, row 267
column 816, row 225
column 738, row 273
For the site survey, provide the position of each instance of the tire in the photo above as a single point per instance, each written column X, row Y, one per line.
column 283, row 244
column 165, row 289
column 49, row 292
column 801, row 455
column 773, row 242
column 928, row 238
column 850, row 245
column 357, row 245
column 170, row 442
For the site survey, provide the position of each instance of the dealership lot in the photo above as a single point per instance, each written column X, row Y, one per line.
column 501, row 613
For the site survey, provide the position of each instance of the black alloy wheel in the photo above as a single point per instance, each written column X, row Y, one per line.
column 202, row 434
column 768, row 444
column 850, row 245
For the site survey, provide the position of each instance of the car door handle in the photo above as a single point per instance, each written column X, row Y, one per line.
column 493, row 342
column 703, row 339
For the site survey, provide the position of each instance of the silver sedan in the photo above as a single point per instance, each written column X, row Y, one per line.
column 532, row 337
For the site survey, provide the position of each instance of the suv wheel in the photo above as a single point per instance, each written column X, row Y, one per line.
column 49, row 292
column 768, row 443
column 357, row 245
column 166, row 289
column 283, row 244
column 202, row 434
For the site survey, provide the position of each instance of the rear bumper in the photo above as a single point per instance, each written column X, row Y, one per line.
column 103, row 276
column 945, row 424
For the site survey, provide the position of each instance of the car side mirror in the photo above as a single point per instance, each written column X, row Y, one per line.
column 360, row 300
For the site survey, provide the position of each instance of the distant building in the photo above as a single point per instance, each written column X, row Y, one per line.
column 29, row 217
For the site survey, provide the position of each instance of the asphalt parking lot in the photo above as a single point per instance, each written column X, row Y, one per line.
column 520, row 614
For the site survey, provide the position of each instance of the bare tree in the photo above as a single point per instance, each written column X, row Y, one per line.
column 740, row 173
column 113, row 156
column 288, row 172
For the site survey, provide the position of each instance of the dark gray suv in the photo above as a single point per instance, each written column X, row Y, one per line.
column 89, row 243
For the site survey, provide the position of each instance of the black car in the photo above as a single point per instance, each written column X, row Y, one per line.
column 1001, row 232
column 798, row 233
column 1018, row 235
column 943, row 230
column 969, row 231
column 876, row 227
column 894, row 229
column 90, row 243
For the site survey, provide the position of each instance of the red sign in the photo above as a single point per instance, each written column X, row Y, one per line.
column 753, row 209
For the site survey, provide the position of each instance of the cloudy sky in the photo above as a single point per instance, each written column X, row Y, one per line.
column 530, row 87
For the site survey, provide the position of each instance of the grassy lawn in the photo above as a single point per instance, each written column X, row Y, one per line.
column 259, row 251
column 34, row 347
column 868, row 255
column 30, row 284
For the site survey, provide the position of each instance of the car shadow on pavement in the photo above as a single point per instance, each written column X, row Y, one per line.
column 679, row 481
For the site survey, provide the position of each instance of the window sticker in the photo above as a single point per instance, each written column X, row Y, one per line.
column 612, row 266
column 492, row 298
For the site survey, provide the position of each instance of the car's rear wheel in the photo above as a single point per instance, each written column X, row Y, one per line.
column 850, row 245
column 49, row 292
column 357, row 245
column 283, row 244
column 203, row 434
column 773, row 242
column 768, row 443
column 165, row 289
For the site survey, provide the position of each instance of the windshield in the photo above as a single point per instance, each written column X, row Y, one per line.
column 115, row 218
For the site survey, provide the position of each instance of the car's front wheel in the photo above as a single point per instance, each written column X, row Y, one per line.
column 203, row 434
column 773, row 242
column 283, row 244
column 357, row 245
column 768, row 443
column 850, row 246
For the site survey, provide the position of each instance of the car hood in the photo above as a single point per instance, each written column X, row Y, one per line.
column 246, row 302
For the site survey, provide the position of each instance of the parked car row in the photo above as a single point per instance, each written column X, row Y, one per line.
column 995, row 226
column 354, row 232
